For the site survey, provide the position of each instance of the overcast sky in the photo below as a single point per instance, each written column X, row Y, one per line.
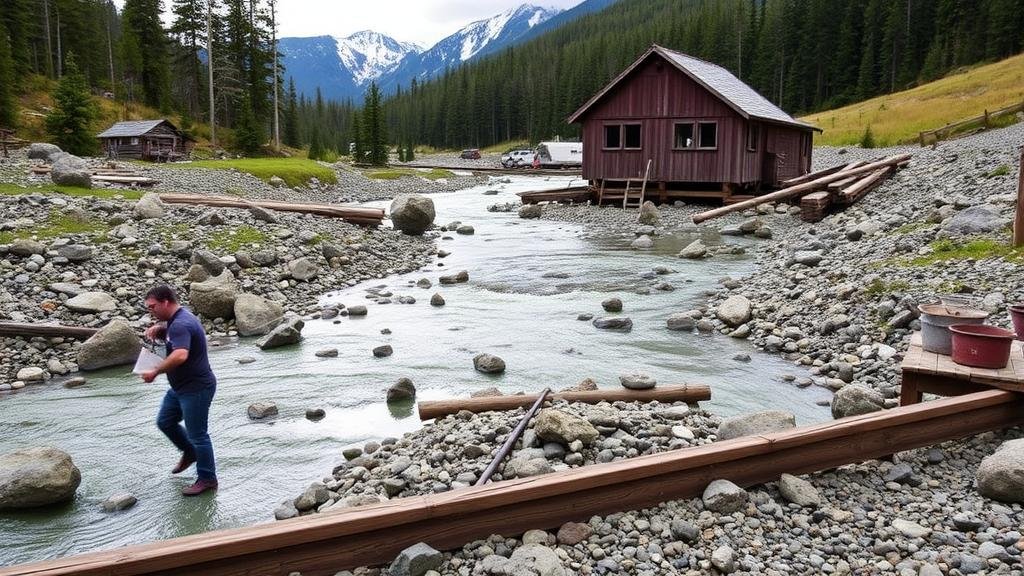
column 421, row 21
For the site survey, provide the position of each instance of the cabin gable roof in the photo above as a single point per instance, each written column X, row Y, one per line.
column 716, row 80
column 136, row 128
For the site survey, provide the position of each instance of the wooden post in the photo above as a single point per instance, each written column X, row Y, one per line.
column 1018, row 222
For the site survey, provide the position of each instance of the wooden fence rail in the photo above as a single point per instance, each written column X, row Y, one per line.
column 322, row 544
column 984, row 120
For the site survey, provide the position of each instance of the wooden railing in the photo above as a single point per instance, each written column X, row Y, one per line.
column 983, row 121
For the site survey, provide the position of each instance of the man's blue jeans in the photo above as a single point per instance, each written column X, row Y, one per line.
column 192, row 439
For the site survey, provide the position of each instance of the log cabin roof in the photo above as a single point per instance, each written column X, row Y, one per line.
column 136, row 128
column 717, row 80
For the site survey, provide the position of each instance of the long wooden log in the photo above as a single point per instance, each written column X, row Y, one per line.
column 45, row 330
column 322, row 544
column 356, row 215
column 686, row 393
column 798, row 189
column 858, row 189
column 140, row 180
column 814, row 175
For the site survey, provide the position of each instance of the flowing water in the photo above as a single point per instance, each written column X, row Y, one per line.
column 509, row 308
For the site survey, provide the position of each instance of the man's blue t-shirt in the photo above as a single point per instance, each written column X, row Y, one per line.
column 185, row 332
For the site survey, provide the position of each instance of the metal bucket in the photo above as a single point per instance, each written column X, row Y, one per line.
column 936, row 320
column 981, row 346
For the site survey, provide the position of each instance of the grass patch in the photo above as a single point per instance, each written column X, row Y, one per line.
column 233, row 240
column 975, row 249
column 57, row 224
column 396, row 173
column 899, row 117
column 914, row 227
column 1002, row 170
column 105, row 193
column 879, row 287
column 296, row 172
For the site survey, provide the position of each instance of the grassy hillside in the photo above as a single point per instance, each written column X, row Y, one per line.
column 899, row 117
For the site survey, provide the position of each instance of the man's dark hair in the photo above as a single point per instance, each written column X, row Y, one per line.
column 162, row 293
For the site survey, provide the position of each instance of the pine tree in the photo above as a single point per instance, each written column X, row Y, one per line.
column 144, row 48
column 73, row 111
column 410, row 154
column 8, row 115
column 291, row 118
column 316, row 147
column 375, row 129
column 248, row 135
column 359, row 138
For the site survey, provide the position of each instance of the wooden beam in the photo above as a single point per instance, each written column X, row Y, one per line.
column 1018, row 221
column 684, row 393
column 814, row 175
column 806, row 187
column 353, row 214
column 322, row 544
column 45, row 330
column 858, row 189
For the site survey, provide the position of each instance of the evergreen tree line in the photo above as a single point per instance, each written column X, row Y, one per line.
column 132, row 57
column 803, row 55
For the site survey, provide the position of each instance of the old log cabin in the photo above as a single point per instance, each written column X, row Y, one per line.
column 702, row 132
column 146, row 140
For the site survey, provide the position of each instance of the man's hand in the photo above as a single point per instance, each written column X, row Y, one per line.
column 149, row 375
column 156, row 331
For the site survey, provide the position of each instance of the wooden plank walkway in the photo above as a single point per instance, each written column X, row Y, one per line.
column 925, row 371
column 323, row 544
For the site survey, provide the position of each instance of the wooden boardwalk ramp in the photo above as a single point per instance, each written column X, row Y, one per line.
column 323, row 544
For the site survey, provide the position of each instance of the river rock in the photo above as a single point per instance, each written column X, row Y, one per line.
column 149, row 206
column 437, row 300
column 415, row 560
column 261, row 410
column 357, row 310
column 724, row 559
column 735, row 311
column 617, row 323
column 401, row 390
column 315, row 414
column 465, row 229
column 26, row 247
column 115, row 344
column 327, row 353
column 70, row 170
column 302, row 269
column 809, row 258
column 530, row 211
column 286, row 333
column 215, row 297
column 1000, row 476
column 261, row 214
column 413, row 214
column 612, row 305
column 854, row 399
column 383, row 351
column 799, row 491
column 119, row 502
column 642, row 243
column 37, row 476
column 724, row 497
column 31, row 374
column 756, row 423
column 488, row 364
column 694, row 250
column 527, row 560
column 458, row 278
column 555, row 425
column 92, row 303
column 974, row 220
column 43, row 151
column 255, row 315
column 208, row 261
column 681, row 321
column 75, row 253
column 649, row 215
column 637, row 381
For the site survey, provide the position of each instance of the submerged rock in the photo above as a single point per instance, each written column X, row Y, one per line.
column 35, row 477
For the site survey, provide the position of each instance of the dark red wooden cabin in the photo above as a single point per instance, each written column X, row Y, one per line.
column 704, row 132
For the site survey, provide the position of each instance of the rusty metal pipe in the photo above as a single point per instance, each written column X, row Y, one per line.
column 511, row 440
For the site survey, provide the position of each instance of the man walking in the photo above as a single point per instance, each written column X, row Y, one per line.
column 193, row 386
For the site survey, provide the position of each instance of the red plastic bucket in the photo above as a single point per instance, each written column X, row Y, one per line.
column 980, row 345
column 1017, row 315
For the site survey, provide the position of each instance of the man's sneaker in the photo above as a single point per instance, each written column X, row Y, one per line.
column 183, row 464
column 199, row 487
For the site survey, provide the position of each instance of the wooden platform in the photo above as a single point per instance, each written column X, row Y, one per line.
column 938, row 374
column 575, row 194
column 323, row 544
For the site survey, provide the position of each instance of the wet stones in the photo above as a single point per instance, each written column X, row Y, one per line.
column 35, row 477
column 488, row 364
column 115, row 344
column 383, row 351
column 327, row 353
column 285, row 334
column 681, row 321
column 618, row 324
column 402, row 390
column 531, row 211
column 315, row 414
column 118, row 502
column 413, row 214
column 694, row 250
column 637, row 381
column 458, row 278
column 437, row 300
column 735, row 311
column 612, row 305
column 261, row 410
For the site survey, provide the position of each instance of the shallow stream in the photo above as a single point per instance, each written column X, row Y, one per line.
column 509, row 308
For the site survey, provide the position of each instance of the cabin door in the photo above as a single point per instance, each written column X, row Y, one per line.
column 769, row 173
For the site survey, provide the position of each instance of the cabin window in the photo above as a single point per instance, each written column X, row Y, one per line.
column 683, row 136
column 613, row 136
column 753, row 136
column 708, row 134
column 135, row 141
column 632, row 137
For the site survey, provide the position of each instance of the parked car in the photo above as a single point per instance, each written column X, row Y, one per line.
column 518, row 158
column 470, row 154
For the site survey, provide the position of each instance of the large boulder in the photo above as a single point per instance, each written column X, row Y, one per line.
column 1000, row 476
column 43, row 151
column 557, row 426
column 649, row 215
column 36, row 477
column 149, row 206
column 287, row 333
column 215, row 297
column 92, row 303
column 255, row 315
column 530, row 211
column 413, row 214
column 70, row 170
column 735, row 311
column 854, row 400
column 115, row 344
column 756, row 423
column 488, row 364
column 974, row 220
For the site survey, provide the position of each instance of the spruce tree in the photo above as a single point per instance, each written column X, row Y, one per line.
column 316, row 147
column 358, row 137
column 374, row 127
column 410, row 155
column 69, row 122
column 291, row 118
column 8, row 116
column 248, row 135
column 144, row 47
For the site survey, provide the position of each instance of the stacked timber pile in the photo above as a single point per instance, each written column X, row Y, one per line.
column 840, row 185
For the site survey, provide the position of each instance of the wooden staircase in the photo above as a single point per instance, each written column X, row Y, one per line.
column 630, row 197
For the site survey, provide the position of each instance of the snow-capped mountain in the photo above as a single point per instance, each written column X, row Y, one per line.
column 343, row 67
column 476, row 39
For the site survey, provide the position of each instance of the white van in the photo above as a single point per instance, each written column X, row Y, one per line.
column 518, row 158
column 560, row 154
